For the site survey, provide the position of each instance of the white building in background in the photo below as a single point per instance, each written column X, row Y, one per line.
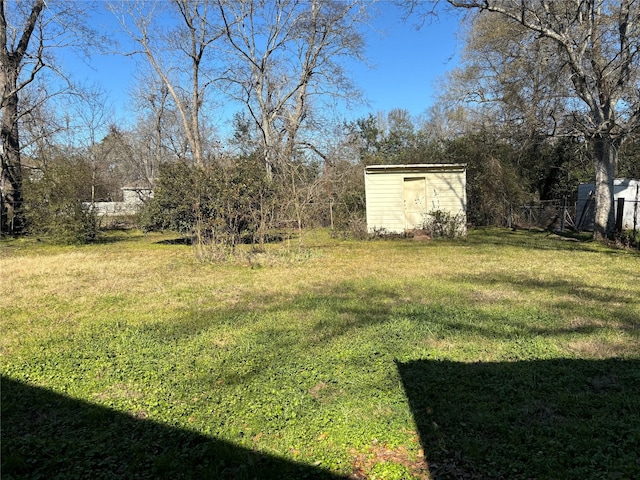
column 626, row 188
column 132, row 199
column 400, row 197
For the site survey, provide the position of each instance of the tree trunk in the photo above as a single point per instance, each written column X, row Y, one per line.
column 12, row 214
column 11, row 181
column 606, row 160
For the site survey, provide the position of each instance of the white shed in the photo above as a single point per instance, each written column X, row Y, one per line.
column 400, row 197
column 626, row 188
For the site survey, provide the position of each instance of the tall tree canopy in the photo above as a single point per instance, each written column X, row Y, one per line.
column 598, row 45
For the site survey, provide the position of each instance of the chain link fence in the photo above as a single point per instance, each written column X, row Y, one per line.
column 562, row 215
column 548, row 214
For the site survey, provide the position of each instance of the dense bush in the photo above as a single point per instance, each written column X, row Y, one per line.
column 227, row 204
column 54, row 199
column 349, row 206
column 493, row 182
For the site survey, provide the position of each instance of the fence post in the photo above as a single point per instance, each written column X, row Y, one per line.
column 619, row 214
column 635, row 212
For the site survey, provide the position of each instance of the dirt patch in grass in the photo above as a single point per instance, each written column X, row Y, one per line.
column 117, row 392
column 316, row 389
column 584, row 324
column 601, row 349
column 324, row 392
column 494, row 295
column 365, row 462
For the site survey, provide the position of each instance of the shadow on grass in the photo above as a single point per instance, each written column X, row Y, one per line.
column 186, row 241
column 48, row 435
column 534, row 239
column 329, row 312
column 604, row 303
column 357, row 306
column 568, row 419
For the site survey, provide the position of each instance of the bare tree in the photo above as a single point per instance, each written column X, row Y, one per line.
column 157, row 136
column 285, row 55
column 30, row 32
column 598, row 42
column 90, row 118
column 18, row 68
column 179, row 56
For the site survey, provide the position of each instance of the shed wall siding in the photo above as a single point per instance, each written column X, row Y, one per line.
column 385, row 209
column 445, row 190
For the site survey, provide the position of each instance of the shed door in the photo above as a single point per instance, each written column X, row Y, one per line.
column 414, row 196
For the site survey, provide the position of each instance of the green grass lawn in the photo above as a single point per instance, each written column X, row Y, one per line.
column 502, row 355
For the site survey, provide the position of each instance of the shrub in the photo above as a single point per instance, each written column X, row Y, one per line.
column 54, row 203
column 218, row 205
column 439, row 223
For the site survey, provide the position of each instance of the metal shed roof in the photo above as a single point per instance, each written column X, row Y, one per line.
column 416, row 168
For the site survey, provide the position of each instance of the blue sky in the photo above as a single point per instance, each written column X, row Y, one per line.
column 405, row 64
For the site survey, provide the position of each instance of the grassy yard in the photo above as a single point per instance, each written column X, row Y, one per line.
column 503, row 355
